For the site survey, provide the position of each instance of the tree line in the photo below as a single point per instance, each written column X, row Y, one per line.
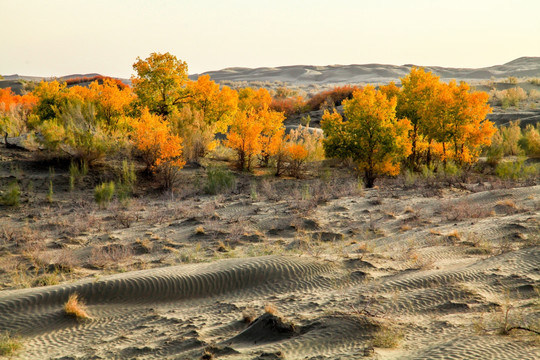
column 165, row 120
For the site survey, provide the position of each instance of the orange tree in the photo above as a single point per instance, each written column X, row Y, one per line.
column 371, row 136
column 244, row 137
column 112, row 100
column 14, row 113
column 256, row 129
column 158, row 147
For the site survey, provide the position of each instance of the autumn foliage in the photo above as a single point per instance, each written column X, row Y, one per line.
column 330, row 98
column 372, row 136
column 168, row 119
column 159, row 149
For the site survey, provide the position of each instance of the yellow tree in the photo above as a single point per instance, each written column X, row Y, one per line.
column 160, row 83
column 271, row 134
column 371, row 136
column 50, row 94
column 457, row 120
column 249, row 98
column 417, row 90
column 244, row 137
column 255, row 129
column 208, row 110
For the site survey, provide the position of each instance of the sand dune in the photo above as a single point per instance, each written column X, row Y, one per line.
column 371, row 73
column 334, row 294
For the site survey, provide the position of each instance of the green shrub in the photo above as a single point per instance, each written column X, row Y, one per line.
column 127, row 180
column 517, row 170
column 103, row 193
column 77, row 173
column 530, row 141
column 219, row 180
column 506, row 141
column 12, row 196
column 50, row 192
column 451, row 169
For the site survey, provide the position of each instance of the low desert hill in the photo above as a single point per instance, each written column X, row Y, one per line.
column 371, row 73
column 524, row 67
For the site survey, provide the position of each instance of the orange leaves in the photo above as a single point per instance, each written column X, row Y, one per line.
column 253, row 99
column 330, row 98
column 113, row 101
column 255, row 129
column 154, row 140
column 245, row 137
column 9, row 100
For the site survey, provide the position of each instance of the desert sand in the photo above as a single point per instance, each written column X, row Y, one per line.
column 276, row 269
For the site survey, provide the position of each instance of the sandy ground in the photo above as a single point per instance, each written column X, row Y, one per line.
column 275, row 269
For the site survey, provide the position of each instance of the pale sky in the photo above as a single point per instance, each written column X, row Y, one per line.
column 60, row 37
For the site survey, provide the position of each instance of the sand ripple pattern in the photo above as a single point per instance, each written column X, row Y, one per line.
column 30, row 310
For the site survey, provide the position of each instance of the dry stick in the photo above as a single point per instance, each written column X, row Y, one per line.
column 522, row 328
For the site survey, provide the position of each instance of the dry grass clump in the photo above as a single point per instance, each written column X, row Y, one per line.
column 464, row 210
column 387, row 337
column 248, row 316
column 454, row 235
column 110, row 254
column 507, row 202
column 76, row 308
column 199, row 230
column 271, row 309
column 404, row 228
column 9, row 344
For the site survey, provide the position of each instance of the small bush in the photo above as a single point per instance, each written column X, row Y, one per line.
column 516, row 170
column 76, row 308
column 535, row 81
column 9, row 344
column 451, row 169
column 509, row 97
column 530, row 141
column 331, row 98
column 77, row 173
column 103, row 193
column 506, row 141
column 512, row 80
column 219, row 180
column 12, row 196
column 127, row 180
column 289, row 106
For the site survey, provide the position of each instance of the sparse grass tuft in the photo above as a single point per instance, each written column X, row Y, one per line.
column 76, row 308
column 248, row 316
column 219, row 180
column 271, row 309
column 507, row 202
column 9, row 345
column 103, row 193
column 12, row 196
column 199, row 230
